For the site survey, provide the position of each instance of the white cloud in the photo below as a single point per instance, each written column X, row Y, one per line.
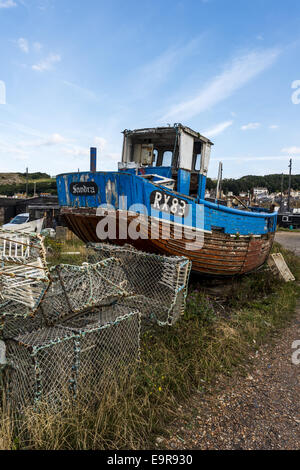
column 156, row 71
column 100, row 142
column 7, row 4
column 218, row 129
column 77, row 151
column 47, row 64
column 244, row 158
column 292, row 150
column 37, row 46
column 235, row 75
column 85, row 92
column 274, row 126
column 23, row 45
column 11, row 148
column 54, row 139
column 114, row 156
column 20, row 143
column 250, row 126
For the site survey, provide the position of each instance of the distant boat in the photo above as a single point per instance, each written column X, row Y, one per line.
column 289, row 219
column 162, row 180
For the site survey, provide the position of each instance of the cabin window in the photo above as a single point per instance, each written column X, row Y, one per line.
column 197, row 162
column 155, row 156
column 167, row 158
column 197, row 155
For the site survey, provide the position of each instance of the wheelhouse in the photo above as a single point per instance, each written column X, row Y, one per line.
column 177, row 157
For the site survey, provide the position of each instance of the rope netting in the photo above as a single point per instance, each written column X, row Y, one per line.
column 157, row 285
column 76, row 329
column 13, row 324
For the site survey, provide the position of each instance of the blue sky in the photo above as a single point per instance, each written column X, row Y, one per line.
column 78, row 72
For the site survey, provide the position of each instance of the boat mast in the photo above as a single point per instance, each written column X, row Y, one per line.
column 290, row 180
column 281, row 196
column 220, row 176
column 27, row 182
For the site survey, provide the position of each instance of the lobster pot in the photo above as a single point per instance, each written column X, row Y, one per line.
column 24, row 276
column 75, row 289
column 17, row 319
column 71, row 361
column 16, row 246
column 155, row 284
column 102, row 315
column 100, row 251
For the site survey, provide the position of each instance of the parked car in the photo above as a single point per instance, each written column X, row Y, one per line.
column 23, row 223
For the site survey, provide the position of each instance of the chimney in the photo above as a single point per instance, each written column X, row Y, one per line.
column 93, row 161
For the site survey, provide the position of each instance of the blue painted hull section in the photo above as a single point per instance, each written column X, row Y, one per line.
column 113, row 187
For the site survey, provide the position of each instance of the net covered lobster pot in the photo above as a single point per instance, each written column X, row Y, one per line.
column 156, row 285
column 75, row 289
column 24, row 276
column 16, row 319
column 80, row 358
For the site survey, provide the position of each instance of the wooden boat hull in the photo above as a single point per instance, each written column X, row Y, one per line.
column 217, row 253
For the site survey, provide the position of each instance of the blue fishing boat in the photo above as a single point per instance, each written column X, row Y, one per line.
column 156, row 202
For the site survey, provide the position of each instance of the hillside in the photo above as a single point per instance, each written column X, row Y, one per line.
column 11, row 178
column 247, row 183
column 12, row 183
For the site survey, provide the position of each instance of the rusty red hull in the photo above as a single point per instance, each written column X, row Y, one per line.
column 217, row 253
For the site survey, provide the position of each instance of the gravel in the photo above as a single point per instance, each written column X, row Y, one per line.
column 256, row 410
column 290, row 240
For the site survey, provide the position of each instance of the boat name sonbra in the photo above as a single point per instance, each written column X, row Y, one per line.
column 84, row 189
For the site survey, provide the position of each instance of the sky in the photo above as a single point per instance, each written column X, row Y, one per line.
column 75, row 73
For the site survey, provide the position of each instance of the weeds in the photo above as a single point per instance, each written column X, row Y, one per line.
column 284, row 229
column 63, row 251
